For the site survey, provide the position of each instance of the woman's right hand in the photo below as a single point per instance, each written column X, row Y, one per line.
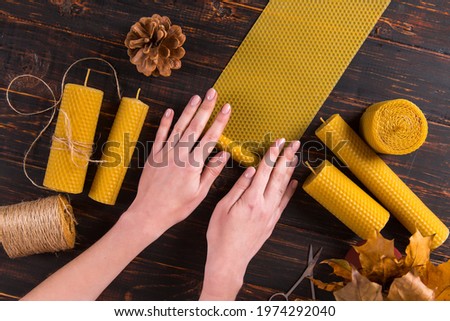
column 245, row 218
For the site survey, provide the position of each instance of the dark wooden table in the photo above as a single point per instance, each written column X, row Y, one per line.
column 407, row 55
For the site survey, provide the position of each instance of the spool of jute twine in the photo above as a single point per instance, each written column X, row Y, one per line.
column 41, row 226
column 395, row 127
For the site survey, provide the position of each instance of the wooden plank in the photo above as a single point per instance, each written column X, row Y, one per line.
column 416, row 23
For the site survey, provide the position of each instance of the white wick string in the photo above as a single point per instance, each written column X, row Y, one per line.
column 53, row 107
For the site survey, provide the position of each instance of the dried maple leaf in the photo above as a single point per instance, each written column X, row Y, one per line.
column 359, row 289
column 444, row 296
column 378, row 261
column 437, row 278
column 418, row 253
column 330, row 287
column 340, row 267
column 409, row 288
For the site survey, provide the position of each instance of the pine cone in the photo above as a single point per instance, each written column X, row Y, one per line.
column 155, row 45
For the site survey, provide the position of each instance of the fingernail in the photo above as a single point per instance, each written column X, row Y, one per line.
column 280, row 142
column 226, row 109
column 296, row 146
column 168, row 112
column 224, row 157
column 211, row 94
column 195, row 100
column 294, row 184
column 250, row 172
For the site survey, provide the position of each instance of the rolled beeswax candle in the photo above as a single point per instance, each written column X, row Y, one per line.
column 118, row 150
column 346, row 200
column 73, row 138
column 395, row 127
column 373, row 172
column 237, row 151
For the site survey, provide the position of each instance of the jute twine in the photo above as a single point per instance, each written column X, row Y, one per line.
column 41, row 226
column 77, row 149
column 395, row 127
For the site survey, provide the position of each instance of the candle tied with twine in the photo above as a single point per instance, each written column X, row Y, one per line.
column 79, row 151
column 41, row 226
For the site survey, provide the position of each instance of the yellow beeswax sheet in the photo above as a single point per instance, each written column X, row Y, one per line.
column 287, row 66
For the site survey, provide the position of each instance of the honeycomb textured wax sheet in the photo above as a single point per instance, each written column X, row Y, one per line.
column 346, row 200
column 73, row 138
column 118, row 151
column 395, row 127
column 288, row 64
column 387, row 187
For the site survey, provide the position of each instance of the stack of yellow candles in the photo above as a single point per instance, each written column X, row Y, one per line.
column 373, row 172
column 345, row 200
column 118, row 151
column 73, row 138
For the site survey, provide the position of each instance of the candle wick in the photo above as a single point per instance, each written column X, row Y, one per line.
column 138, row 93
column 87, row 77
column 310, row 167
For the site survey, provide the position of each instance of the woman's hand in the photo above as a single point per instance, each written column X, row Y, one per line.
column 174, row 181
column 245, row 218
column 175, row 178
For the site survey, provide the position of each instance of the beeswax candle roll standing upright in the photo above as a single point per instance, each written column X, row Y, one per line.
column 373, row 172
column 346, row 200
column 118, row 151
column 73, row 138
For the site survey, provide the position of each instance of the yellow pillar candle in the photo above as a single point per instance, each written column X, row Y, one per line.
column 373, row 172
column 395, row 127
column 118, row 151
column 346, row 200
column 73, row 138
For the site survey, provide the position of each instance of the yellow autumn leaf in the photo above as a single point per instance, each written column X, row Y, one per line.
column 330, row 287
column 378, row 260
column 444, row 296
column 340, row 267
column 418, row 253
column 437, row 278
column 409, row 288
column 359, row 289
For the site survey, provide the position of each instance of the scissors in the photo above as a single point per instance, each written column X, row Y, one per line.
column 312, row 261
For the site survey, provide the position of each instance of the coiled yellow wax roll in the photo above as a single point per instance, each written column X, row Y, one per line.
column 73, row 138
column 346, row 200
column 395, row 127
column 118, row 151
column 373, row 172
column 237, row 151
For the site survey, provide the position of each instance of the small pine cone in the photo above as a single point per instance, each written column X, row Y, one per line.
column 155, row 45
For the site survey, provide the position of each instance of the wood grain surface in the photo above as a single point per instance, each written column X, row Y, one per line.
column 407, row 55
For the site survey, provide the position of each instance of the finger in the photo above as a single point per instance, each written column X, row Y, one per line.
column 163, row 131
column 198, row 123
column 287, row 197
column 284, row 202
column 209, row 140
column 265, row 167
column 183, row 121
column 213, row 169
column 240, row 186
column 282, row 173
